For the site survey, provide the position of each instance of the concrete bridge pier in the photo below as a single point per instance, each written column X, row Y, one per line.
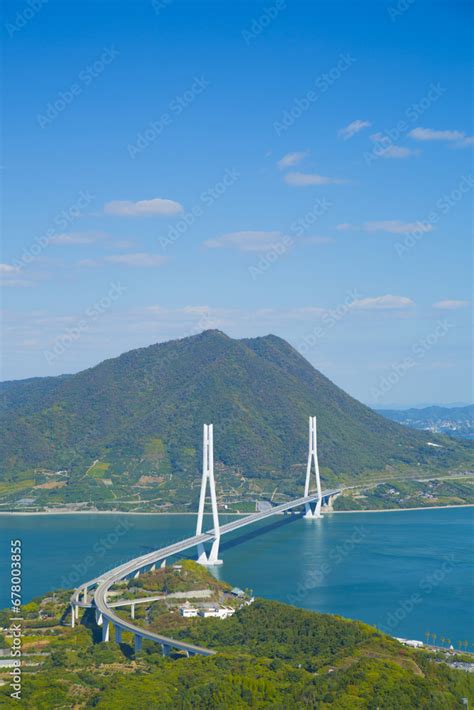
column 138, row 643
column 106, row 630
column 118, row 634
column 132, row 611
column 202, row 557
column 99, row 618
column 315, row 512
column 84, row 596
column 213, row 557
column 137, row 574
column 329, row 504
column 163, row 564
column 73, row 615
column 165, row 649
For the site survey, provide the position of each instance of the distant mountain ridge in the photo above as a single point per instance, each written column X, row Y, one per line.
column 454, row 421
column 142, row 413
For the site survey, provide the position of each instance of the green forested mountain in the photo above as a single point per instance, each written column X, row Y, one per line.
column 141, row 414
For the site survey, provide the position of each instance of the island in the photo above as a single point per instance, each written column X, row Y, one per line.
column 266, row 654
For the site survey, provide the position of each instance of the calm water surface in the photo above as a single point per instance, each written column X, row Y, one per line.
column 406, row 572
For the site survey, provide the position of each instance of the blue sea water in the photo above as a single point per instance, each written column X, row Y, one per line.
column 407, row 572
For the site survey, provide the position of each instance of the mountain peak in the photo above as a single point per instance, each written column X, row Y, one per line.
column 141, row 416
column 213, row 333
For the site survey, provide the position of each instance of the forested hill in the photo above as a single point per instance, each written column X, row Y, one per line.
column 269, row 655
column 146, row 409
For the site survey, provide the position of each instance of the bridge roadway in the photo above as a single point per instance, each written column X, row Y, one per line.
column 104, row 582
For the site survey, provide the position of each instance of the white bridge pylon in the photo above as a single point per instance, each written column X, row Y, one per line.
column 313, row 456
column 208, row 477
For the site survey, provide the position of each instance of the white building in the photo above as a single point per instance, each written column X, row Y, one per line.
column 217, row 612
column 411, row 642
column 188, row 611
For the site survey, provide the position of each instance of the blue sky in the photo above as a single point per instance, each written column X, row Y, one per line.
column 300, row 168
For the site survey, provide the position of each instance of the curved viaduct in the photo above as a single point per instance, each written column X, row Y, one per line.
column 94, row 593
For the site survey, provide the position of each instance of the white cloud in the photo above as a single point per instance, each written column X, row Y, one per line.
column 428, row 134
column 292, row 159
column 77, row 238
column 246, row 241
column 353, row 128
column 140, row 259
column 450, row 305
column 387, row 302
column 304, row 179
column 8, row 277
column 395, row 151
column 395, row 226
column 157, row 206
column 344, row 226
column 452, row 136
column 318, row 240
column 7, row 269
column 196, row 310
column 386, row 149
column 88, row 262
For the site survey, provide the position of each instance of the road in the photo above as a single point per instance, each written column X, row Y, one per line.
column 104, row 582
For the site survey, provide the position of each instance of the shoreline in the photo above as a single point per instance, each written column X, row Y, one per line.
column 124, row 512
column 404, row 510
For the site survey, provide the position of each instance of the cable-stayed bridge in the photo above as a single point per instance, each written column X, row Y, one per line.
column 94, row 593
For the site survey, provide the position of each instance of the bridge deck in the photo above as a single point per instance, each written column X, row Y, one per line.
column 282, row 508
column 105, row 581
